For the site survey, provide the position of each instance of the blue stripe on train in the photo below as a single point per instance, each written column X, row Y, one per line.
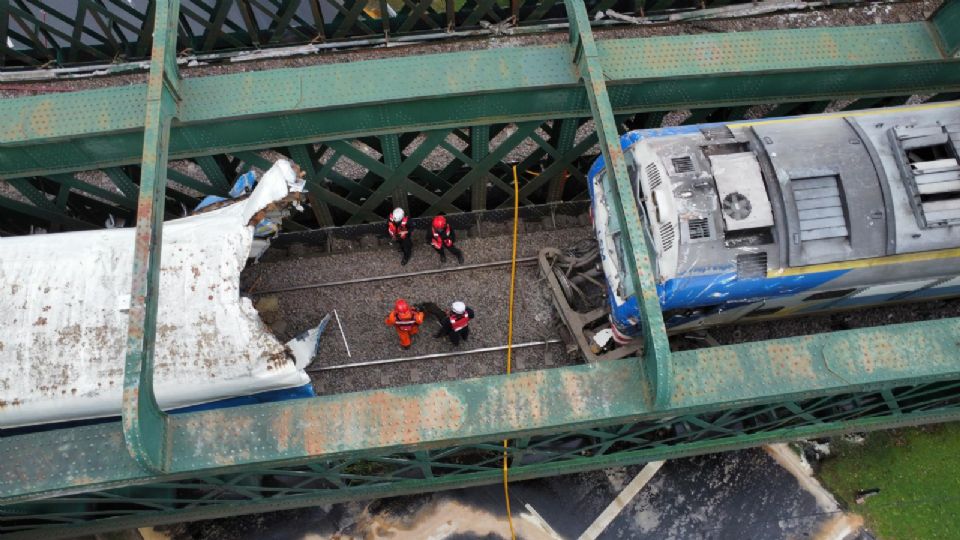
column 297, row 392
column 874, row 299
column 933, row 293
column 699, row 291
column 726, row 288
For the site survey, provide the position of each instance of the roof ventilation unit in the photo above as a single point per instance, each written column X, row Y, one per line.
column 931, row 171
column 819, row 208
column 743, row 196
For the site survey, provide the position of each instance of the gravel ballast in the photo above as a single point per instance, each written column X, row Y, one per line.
column 362, row 308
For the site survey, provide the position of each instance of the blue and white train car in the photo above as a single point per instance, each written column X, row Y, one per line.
column 765, row 219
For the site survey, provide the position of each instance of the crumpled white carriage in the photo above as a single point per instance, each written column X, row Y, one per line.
column 64, row 302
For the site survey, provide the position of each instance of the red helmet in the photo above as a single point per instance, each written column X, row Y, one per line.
column 439, row 222
column 401, row 306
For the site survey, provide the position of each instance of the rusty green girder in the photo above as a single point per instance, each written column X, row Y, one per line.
column 100, row 128
column 34, row 33
column 144, row 424
column 438, row 436
column 425, row 437
column 321, row 115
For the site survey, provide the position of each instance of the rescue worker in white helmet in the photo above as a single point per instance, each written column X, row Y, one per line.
column 456, row 325
column 399, row 230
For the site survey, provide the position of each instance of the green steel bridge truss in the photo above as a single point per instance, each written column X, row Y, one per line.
column 153, row 468
column 35, row 34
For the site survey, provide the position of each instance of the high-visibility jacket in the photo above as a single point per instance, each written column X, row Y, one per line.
column 405, row 322
column 459, row 322
column 442, row 238
column 456, row 323
column 398, row 230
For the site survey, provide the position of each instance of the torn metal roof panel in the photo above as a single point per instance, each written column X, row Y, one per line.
column 63, row 318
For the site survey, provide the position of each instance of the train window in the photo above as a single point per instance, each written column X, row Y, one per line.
column 827, row 295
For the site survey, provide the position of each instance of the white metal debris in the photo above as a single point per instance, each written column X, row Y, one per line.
column 63, row 316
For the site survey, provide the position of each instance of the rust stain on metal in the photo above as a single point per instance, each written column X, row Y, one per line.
column 573, row 393
column 218, row 426
column 283, row 429
column 380, row 419
column 791, row 361
column 40, row 120
column 881, row 353
column 723, row 359
column 521, row 400
column 829, row 47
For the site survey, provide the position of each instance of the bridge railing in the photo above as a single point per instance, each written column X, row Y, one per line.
column 35, row 34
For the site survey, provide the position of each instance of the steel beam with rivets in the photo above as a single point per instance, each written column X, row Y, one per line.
column 946, row 23
column 144, row 424
column 253, row 110
column 639, row 271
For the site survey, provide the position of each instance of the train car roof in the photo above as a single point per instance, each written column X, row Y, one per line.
column 64, row 316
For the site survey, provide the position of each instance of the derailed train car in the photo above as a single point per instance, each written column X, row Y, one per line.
column 64, row 317
column 788, row 216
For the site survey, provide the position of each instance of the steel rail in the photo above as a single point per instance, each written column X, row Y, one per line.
column 433, row 356
column 524, row 260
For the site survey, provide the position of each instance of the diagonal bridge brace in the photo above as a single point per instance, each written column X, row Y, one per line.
column 144, row 423
column 639, row 271
column 97, row 128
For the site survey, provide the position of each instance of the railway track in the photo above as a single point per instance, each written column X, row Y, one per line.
column 294, row 291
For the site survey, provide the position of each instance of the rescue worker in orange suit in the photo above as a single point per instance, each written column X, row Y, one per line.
column 441, row 236
column 406, row 320
column 456, row 326
column 399, row 230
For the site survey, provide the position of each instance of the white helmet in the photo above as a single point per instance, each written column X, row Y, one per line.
column 397, row 214
column 458, row 307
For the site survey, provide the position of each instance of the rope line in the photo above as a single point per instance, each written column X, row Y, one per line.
column 513, row 280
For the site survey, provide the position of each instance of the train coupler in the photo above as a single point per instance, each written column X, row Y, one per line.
column 578, row 295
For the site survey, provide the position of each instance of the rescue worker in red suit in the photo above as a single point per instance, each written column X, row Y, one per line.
column 406, row 320
column 399, row 230
column 456, row 326
column 441, row 236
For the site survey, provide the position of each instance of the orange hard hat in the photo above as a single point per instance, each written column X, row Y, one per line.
column 401, row 306
column 439, row 222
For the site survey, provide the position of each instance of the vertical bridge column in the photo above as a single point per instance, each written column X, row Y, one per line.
column 946, row 22
column 638, row 269
column 144, row 424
